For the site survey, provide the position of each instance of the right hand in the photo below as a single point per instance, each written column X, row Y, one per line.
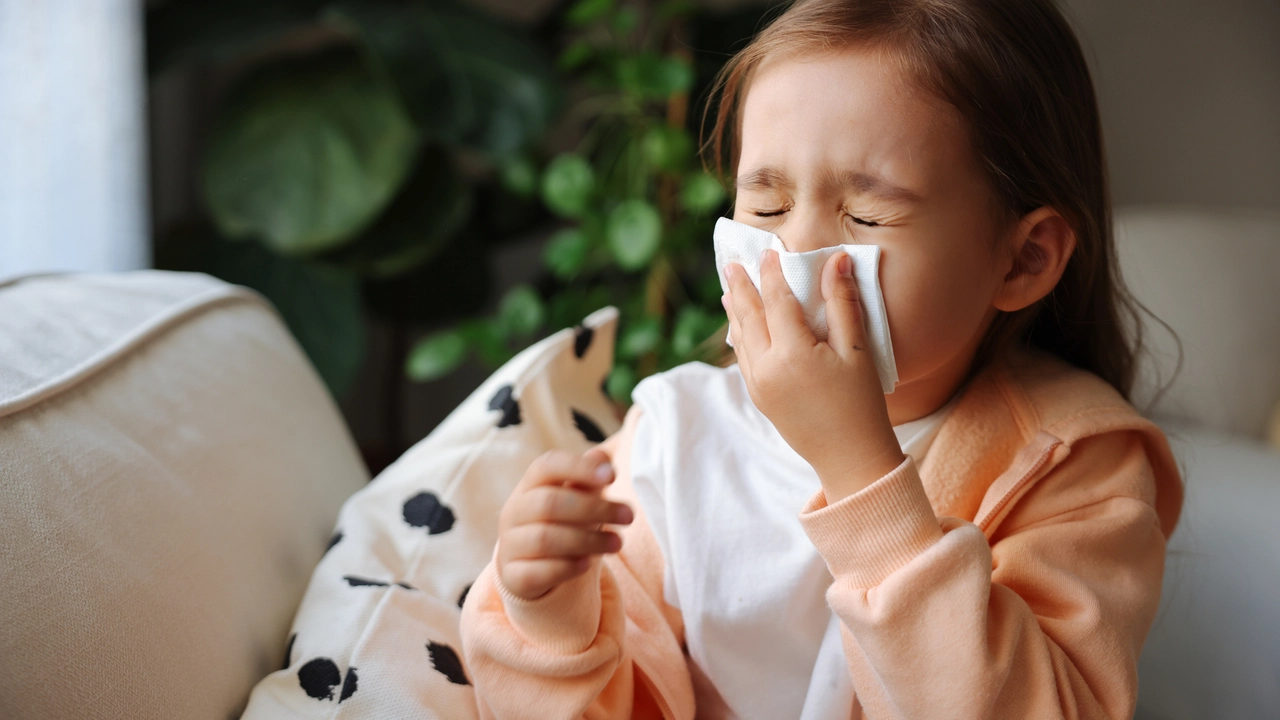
column 549, row 529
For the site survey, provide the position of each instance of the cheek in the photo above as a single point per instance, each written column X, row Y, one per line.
column 936, row 306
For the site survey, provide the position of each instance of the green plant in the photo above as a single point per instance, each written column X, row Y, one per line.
column 636, row 205
column 360, row 143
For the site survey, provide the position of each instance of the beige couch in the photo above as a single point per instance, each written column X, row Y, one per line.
column 171, row 468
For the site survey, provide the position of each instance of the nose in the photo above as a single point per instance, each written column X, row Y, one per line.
column 807, row 228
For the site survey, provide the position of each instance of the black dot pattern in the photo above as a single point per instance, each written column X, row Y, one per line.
column 582, row 336
column 446, row 661
column 319, row 677
column 463, row 597
column 505, row 401
column 348, row 685
column 426, row 510
column 288, row 652
column 587, row 427
column 337, row 538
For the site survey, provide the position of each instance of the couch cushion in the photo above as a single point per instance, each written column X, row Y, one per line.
column 1214, row 277
column 172, row 468
column 377, row 634
column 1214, row 648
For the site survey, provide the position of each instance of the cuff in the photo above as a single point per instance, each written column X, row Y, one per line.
column 565, row 620
column 868, row 535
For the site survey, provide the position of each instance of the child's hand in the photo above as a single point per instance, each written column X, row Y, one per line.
column 549, row 529
column 824, row 398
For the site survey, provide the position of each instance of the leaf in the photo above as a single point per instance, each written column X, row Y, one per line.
column 669, row 148
column 306, row 152
column 625, row 20
column 567, row 185
column 520, row 313
column 486, row 338
column 620, row 383
column 654, row 77
column 467, row 79
column 633, row 232
column 692, row 326
column 701, row 194
column 584, row 12
column 424, row 217
column 319, row 304
column 519, row 175
column 435, row 356
column 642, row 337
column 578, row 53
column 565, row 252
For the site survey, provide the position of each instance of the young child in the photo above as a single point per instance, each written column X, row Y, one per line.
column 986, row 541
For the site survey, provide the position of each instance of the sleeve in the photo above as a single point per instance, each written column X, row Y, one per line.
column 580, row 650
column 1045, row 620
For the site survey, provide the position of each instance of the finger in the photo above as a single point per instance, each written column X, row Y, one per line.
column 549, row 540
column 547, row 503
column 734, row 331
column 748, row 310
column 781, row 308
column 557, row 467
column 531, row 579
column 846, row 333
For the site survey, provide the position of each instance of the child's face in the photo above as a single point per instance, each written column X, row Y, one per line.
column 830, row 138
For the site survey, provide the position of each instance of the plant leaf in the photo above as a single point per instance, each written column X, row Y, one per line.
column 565, row 252
column 567, row 185
column 422, row 220
column 587, row 11
column 520, row 313
column 621, row 381
column 435, row 356
column 633, row 232
column 701, row 194
column 669, row 148
column 306, row 152
column 467, row 79
column 642, row 337
column 654, row 77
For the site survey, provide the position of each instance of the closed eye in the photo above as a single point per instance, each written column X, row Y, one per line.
column 860, row 221
column 768, row 213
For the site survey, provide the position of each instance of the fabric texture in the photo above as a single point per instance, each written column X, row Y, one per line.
column 744, row 244
column 1014, row 574
column 376, row 635
column 170, row 469
column 769, row 618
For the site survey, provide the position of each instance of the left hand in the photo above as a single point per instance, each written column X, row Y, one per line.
column 824, row 398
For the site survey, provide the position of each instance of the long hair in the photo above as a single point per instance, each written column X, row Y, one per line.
column 1015, row 72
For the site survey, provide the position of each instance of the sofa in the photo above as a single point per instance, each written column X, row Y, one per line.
column 171, row 469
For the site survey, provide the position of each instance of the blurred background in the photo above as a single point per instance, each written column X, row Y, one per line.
column 422, row 188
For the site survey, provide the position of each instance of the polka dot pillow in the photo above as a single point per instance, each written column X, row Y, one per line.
column 376, row 635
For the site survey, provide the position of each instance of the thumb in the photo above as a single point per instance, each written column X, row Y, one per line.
column 846, row 333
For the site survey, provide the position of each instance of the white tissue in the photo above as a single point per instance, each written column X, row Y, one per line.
column 744, row 244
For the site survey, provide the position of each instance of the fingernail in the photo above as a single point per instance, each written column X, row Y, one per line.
column 845, row 266
column 622, row 515
column 604, row 472
column 724, row 301
column 614, row 543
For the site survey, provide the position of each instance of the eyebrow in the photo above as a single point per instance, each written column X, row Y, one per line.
column 768, row 178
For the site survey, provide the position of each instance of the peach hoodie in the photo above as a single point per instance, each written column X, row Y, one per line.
column 1015, row 575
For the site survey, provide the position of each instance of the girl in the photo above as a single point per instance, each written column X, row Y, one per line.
column 988, row 540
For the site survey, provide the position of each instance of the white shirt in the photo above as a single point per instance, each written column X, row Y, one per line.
column 723, row 491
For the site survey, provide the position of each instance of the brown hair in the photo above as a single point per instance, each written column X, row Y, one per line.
column 1015, row 72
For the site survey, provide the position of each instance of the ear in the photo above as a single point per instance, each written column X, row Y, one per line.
column 1040, row 246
